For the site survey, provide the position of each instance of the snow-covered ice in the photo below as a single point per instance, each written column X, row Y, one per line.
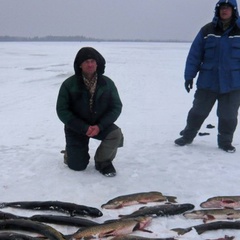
column 149, row 77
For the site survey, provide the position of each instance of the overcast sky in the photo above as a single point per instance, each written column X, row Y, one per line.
column 106, row 19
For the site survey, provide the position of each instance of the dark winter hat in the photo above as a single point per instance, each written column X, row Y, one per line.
column 86, row 53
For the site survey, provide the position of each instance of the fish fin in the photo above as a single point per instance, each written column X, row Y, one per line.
column 210, row 217
column 171, row 199
column 181, row 231
column 145, row 230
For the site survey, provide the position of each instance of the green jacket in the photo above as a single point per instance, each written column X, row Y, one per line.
column 73, row 104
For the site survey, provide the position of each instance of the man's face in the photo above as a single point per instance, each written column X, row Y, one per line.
column 225, row 12
column 89, row 67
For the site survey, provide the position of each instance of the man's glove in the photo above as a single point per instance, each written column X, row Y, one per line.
column 188, row 85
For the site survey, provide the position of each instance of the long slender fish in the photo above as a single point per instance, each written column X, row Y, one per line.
column 54, row 219
column 222, row 202
column 225, row 238
column 213, row 214
column 66, row 207
column 136, row 198
column 16, row 236
column 160, row 210
column 112, row 229
column 31, row 226
column 132, row 237
column 209, row 227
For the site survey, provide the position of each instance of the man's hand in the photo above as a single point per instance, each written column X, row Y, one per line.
column 188, row 85
column 93, row 131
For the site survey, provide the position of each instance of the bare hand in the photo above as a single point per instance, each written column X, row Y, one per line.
column 93, row 131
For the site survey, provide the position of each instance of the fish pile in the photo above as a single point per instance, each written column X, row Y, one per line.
column 215, row 209
column 121, row 228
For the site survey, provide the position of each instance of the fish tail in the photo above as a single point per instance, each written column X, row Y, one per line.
column 3, row 204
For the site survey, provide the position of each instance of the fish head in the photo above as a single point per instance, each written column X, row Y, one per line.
column 194, row 214
column 112, row 205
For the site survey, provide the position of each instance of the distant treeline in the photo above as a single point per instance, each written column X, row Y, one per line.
column 46, row 39
column 69, row 39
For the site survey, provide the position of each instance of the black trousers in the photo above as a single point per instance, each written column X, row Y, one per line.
column 227, row 112
column 77, row 147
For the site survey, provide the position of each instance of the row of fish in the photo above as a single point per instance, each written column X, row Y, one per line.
column 125, row 225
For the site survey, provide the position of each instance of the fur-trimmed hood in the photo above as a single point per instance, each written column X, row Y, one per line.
column 233, row 3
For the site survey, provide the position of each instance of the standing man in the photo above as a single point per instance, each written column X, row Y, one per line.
column 88, row 104
column 215, row 56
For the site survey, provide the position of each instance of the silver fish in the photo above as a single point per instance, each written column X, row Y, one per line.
column 136, row 198
column 213, row 214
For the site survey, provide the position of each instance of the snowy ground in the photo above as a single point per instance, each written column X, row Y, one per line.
column 149, row 77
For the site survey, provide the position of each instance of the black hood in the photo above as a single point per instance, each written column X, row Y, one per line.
column 89, row 53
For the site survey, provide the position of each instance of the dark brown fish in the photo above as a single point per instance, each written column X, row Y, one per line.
column 136, row 198
column 64, row 220
column 209, row 227
column 16, row 236
column 66, row 207
column 160, row 210
column 112, row 229
column 31, row 226
column 54, row 219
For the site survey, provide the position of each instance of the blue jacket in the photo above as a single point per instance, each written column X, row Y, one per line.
column 215, row 54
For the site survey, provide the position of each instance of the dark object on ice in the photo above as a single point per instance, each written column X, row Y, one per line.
column 64, row 220
column 182, row 141
column 31, row 226
column 209, row 227
column 203, row 134
column 66, row 207
column 17, row 236
column 228, row 148
column 210, row 126
column 54, row 219
column 160, row 210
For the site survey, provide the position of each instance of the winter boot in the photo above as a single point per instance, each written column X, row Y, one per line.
column 106, row 168
column 228, row 148
column 182, row 141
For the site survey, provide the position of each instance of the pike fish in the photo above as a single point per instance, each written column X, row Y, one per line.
column 160, row 210
column 132, row 237
column 222, row 202
column 112, row 229
column 66, row 207
column 213, row 214
column 136, row 198
column 31, row 226
column 209, row 227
